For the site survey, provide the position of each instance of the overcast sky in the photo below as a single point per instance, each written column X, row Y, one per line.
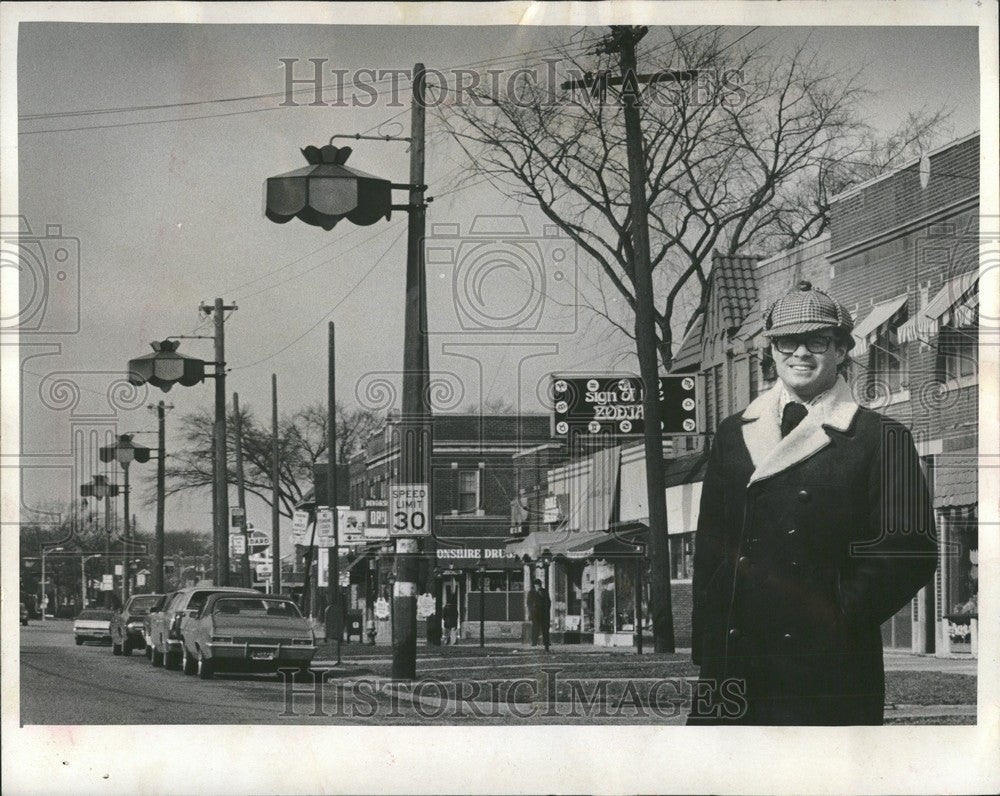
column 167, row 208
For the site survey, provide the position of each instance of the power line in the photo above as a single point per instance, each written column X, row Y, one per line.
column 332, row 309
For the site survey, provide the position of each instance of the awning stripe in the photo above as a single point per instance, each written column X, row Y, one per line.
column 868, row 329
column 957, row 300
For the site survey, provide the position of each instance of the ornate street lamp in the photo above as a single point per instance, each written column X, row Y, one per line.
column 322, row 194
column 101, row 489
column 165, row 367
column 481, row 569
column 326, row 191
column 124, row 451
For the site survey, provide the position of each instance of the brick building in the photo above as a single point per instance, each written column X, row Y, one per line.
column 902, row 254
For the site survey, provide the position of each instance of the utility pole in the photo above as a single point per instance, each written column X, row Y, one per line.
column 241, row 492
column 125, row 535
column 334, row 613
column 275, row 490
column 415, row 432
column 221, row 479
column 161, row 495
column 623, row 40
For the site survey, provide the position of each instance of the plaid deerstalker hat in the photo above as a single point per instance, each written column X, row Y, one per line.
column 806, row 309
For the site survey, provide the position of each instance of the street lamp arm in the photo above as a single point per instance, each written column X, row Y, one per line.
column 361, row 137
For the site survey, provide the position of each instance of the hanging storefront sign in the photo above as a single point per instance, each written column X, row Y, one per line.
column 259, row 541
column 425, row 605
column 351, row 525
column 613, row 404
column 237, row 545
column 381, row 608
column 377, row 522
column 107, row 583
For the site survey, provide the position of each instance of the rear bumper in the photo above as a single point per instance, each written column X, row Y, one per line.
column 294, row 653
column 93, row 635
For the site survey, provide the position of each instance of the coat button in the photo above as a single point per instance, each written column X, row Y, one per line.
column 791, row 531
column 787, row 636
column 743, row 561
column 734, row 633
column 804, row 496
column 793, row 564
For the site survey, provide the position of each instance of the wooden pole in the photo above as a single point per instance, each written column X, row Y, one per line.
column 334, row 611
column 161, row 494
column 275, row 487
column 241, row 493
column 415, row 423
column 645, row 333
column 221, row 463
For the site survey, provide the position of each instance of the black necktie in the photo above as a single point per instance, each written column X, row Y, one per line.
column 791, row 416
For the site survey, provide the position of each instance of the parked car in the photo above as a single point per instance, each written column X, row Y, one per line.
column 93, row 624
column 126, row 624
column 165, row 625
column 248, row 632
column 147, row 620
column 24, row 614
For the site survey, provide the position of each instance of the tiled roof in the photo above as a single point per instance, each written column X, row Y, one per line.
column 735, row 287
column 689, row 354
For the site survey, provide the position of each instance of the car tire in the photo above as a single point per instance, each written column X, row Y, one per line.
column 126, row 647
column 149, row 652
column 189, row 665
column 205, row 668
column 79, row 642
column 116, row 649
column 171, row 660
column 156, row 657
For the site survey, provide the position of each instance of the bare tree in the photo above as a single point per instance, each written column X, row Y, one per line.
column 741, row 157
column 302, row 443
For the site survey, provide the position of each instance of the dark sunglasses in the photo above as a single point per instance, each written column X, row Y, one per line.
column 816, row 344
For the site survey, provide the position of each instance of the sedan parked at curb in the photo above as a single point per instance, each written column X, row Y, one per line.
column 147, row 621
column 126, row 624
column 165, row 626
column 247, row 633
column 92, row 624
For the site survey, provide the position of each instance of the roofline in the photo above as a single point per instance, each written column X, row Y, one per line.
column 908, row 164
column 785, row 252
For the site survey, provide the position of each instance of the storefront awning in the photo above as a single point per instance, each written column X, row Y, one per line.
column 596, row 545
column 957, row 301
column 866, row 331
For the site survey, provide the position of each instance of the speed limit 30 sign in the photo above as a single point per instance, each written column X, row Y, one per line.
column 409, row 510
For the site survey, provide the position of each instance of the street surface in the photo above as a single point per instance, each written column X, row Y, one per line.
column 62, row 683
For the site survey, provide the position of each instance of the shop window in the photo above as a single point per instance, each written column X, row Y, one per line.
column 515, row 581
column 605, row 577
column 681, row 556
column 468, row 491
column 495, row 581
column 886, row 359
column 625, row 595
column 958, row 353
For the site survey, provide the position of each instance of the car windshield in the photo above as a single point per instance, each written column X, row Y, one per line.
column 91, row 614
column 141, row 605
column 263, row 606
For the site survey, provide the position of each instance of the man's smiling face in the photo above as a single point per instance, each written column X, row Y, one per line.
column 803, row 366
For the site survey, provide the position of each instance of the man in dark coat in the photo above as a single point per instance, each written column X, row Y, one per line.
column 815, row 527
column 450, row 615
column 539, row 610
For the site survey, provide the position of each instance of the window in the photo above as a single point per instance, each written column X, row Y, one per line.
column 887, row 360
column 957, row 352
column 468, row 491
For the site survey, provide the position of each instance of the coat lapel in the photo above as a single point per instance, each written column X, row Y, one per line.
column 762, row 431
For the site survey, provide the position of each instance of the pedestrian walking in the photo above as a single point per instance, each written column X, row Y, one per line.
column 450, row 616
column 539, row 609
column 815, row 527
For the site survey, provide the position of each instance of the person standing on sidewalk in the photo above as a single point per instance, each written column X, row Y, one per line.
column 539, row 608
column 450, row 616
column 815, row 527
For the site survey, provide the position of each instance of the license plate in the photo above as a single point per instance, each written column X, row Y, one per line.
column 262, row 656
